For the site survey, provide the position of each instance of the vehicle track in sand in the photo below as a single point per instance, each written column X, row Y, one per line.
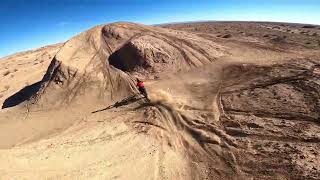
column 248, row 115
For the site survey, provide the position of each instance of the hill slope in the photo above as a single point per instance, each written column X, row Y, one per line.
column 229, row 100
column 92, row 62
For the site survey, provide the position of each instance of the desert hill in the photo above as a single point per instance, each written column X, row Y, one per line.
column 229, row 100
column 94, row 62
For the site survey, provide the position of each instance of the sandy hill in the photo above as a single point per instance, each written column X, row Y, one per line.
column 93, row 62
column 229, row 100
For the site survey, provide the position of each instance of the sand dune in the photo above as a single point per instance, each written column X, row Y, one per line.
column 227, row 101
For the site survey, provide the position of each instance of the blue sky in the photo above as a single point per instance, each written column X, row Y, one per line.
column 28, row 24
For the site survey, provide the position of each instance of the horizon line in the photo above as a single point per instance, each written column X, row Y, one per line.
column 161, row 24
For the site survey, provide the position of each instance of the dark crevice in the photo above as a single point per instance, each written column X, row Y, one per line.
column 128, row 58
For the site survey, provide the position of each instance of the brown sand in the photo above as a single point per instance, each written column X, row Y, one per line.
column 240, row 106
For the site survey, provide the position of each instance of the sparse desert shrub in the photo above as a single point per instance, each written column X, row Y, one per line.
column 6, row 73
column 6, row 87
column 307, row 43
column 15, row 70
column 278, row 39
column 266, row 35
column 314, row 34
column 227, row 36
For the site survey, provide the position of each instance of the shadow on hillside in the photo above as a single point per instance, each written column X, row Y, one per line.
column 23, row 95
column 126, row 101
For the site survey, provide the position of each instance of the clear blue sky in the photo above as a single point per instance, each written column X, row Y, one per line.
column 27, row 24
